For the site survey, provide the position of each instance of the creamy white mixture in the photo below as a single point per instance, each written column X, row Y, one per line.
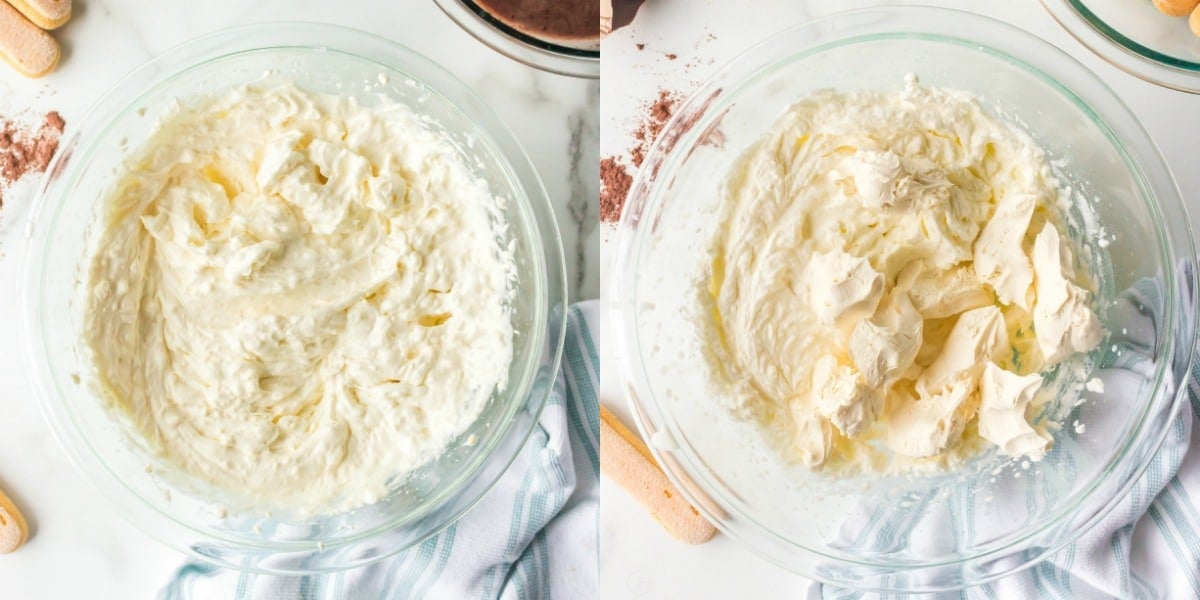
column 296, row 297
column 889, row 281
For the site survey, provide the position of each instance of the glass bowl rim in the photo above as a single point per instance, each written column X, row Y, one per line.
column 523, row 48
column 169, row 68
column 672, row 147
column 1117, row 49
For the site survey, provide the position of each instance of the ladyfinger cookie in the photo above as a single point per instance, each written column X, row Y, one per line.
column 47, row 14
column 13, row 530
column 1176, row 8
column 1194, row 20
column 628, row 462
column 25, row 46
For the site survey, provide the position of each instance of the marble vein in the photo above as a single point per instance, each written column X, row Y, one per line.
column 584, row 178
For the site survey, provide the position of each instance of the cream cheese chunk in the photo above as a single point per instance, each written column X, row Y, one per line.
column 878, row 253
column 980, row 335
column 940, row 293
column 927, row 426
column 296, row 298
column 813, row 435
column 840, row 284
column 1005, row 398
column 880, row 179
column 841, row 396
column 999, row 258
column 884, row 346
column 1063, row 321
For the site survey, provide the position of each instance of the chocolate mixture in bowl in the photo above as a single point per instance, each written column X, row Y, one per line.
column 548, row 20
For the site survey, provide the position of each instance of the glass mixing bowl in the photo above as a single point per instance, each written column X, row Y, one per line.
column 186, row 514
column 917, row 532
column 576, row 58
column 1136, row 37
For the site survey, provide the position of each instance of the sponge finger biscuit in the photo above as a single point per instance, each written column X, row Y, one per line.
column 47, row 14
column 13, row 529
column 29, row 49
column 628, row 462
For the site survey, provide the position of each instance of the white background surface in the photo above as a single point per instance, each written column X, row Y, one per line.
column 638, row 559
column 79, row 547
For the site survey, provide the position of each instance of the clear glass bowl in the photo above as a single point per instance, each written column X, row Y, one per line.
column 188, row 515
column 919, row 532
column 574, row 58
column 1135, row 37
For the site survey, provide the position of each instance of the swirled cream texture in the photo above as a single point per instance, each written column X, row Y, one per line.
column 296, row 297
column 890, row 280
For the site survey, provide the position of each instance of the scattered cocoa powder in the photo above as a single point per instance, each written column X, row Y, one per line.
column 614, row 187
column 615, row 176
column 657, row 115
column 662, row 108
column 23, row 151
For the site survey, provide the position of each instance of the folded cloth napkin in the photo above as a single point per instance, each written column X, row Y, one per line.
column 1148, row 547
column 532, row 537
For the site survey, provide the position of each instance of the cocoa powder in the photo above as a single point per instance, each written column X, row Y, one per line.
column 615, row 181
column 23, row 152
column 658, row 113
column 615, row 176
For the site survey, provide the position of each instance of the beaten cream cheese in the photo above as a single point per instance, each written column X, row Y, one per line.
column 889, row 281
column 296, row 297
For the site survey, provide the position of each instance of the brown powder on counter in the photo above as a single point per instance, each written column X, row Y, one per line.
column 615, row 181
column 615, row 176
column 662, row 109
column 23, row 152
column 657, row 115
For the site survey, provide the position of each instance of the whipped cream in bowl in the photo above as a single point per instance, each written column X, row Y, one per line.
column 874, row 281
column 877, row 300
column 292, row 309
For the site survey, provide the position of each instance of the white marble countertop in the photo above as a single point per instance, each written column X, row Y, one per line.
column 80, row 548
column 638, row 559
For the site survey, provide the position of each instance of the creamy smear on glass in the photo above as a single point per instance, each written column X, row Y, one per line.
column 296, row 297
column 891, row 279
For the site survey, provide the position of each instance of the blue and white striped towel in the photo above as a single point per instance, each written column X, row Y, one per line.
column 532, row 537
column 1148, row 547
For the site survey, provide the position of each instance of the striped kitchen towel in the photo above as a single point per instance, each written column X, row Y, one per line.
column 1147, row 548
column 532, row 537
